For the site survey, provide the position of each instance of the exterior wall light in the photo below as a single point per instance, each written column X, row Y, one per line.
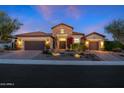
column 19, row 43
column 102, row 44
column 47, row 42
column 87, row 43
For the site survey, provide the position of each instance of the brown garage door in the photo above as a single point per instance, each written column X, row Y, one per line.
column 34, row 45
column 94, row 45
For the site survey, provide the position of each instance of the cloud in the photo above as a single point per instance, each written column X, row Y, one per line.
column 45, row 11
column 73, row 12
column 48, row 12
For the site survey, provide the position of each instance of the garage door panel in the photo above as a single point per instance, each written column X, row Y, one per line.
column 34, row 45
column 94, row 45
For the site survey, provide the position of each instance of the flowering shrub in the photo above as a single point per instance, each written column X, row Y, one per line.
column 70, row 41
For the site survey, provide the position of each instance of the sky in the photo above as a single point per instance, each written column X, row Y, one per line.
column 84, row 19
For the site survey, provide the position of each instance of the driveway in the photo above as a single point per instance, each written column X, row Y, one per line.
column 20, row 54
column 107, row 56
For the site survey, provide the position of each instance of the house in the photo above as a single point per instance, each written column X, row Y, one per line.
column 3, row 44
column 58, row 39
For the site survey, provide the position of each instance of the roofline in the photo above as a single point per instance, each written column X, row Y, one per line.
column 78, row 33
column 62, row 24
column 23, row 35
column 95, row 33
column 33, row 36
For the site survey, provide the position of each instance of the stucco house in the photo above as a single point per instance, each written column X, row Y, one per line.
column 58, row 38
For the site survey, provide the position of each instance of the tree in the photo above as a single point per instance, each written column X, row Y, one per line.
column 116, row 28
column 7, row 26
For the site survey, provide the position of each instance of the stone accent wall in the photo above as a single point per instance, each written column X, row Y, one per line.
column 67, row 30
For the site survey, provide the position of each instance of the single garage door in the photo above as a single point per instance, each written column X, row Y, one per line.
column 94, row 45
column 34, row 45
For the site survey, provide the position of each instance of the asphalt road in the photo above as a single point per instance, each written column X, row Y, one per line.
column 61, row 76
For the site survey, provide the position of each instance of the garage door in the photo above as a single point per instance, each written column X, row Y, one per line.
column 94, row 45
column 34, row 45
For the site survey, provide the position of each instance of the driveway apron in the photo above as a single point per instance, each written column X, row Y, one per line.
column 20, row 55
column 106, row 56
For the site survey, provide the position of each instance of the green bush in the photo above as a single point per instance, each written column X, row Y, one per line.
column 47, row 46
column 78, row 47
column 110, row 45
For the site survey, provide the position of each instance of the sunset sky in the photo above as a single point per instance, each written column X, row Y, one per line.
column 84, row 19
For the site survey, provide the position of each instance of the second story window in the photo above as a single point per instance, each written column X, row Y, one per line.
column 62, row 31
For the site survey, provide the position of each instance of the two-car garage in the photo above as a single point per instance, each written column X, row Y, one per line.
column 34, row 45
column 34, row 41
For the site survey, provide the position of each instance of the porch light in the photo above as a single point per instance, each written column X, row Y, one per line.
column 87, row 43
column 19, row 43
column 47, row 42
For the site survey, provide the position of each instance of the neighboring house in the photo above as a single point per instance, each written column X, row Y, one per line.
column 3, row 44
column 58, row 39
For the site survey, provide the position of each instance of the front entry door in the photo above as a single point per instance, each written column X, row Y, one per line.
column 62, row 44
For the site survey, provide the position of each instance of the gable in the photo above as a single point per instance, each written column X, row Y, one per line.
column 95, row 36
column 58, row 29
column 62, row 24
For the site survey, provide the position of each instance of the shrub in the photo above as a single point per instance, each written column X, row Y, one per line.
column 117, row 49
column 47, row 46
column 78, row 47
column 47, row 51
column 113, row 45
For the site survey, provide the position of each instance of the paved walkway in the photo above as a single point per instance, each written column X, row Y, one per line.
column 107, row 56
column 20, row 55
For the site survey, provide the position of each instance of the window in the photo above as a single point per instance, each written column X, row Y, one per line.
column 76, row 40
column 62, row 31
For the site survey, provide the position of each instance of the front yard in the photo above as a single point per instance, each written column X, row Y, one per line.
column 86, row 56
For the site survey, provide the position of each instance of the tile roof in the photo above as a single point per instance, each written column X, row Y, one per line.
column 95, row 33
column 77, row 33
column 33, row 34
column 62, row 24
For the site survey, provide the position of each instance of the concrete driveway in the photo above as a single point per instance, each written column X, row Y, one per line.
column 20, row 54
column 107, row 56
